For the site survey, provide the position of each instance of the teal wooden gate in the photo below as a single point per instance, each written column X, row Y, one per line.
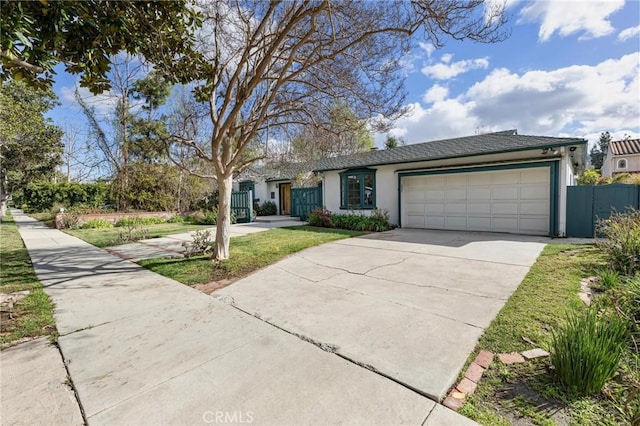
column 586, row 204
column 241, row 206
column 304, row 200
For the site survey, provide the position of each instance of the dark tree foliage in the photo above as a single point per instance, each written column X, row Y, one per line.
column 599, row 151
column 37, row 35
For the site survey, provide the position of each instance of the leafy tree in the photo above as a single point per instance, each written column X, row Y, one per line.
column 131, row 131
column 30, row 145
column 393, row 142
column 342, row 133
column 271, row 66
column 599, row 151
column 589, row 177
column 37, row 35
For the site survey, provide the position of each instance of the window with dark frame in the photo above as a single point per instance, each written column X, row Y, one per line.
column 357, row 189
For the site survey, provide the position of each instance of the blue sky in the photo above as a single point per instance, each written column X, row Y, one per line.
column 569, row 68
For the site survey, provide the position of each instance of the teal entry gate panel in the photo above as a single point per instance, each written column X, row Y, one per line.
column 304, row 201
column 586, row 204
column 242, row 206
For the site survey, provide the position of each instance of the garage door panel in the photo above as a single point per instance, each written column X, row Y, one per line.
column 539, row 175
column 457, row 180
column 435, row 195
column 500, row 208
column 505, row 177
column 504, row 223
column 479, row 223
column 436, row 182
column 455, row 194
column 535, row 192
column 536, row 225
column 480, row 178
column 479, row 193
column 415, row 221
column 436, row 209
column 504, row 192
column 515, row 201
column 456, row 222
column 456, row 208
column 416, row 209
column 415, row 195
column 435, row 221
column 534, row 208
column 479, row 208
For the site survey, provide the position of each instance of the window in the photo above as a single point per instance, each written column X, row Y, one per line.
column 358, row 189
column 622, row 163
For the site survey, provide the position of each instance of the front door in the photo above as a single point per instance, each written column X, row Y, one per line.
column 285, row 198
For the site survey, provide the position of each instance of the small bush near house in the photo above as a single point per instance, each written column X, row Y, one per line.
column 202, row 244
column 378, row 221
column 587, row 349
column 321, row 218
column 140, row 221
column 97, row 223
column 621, row 241
column 268, row 208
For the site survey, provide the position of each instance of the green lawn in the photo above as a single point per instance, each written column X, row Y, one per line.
column 106, row 237
column 528, row 391
column 247, row 254
column 33, row 315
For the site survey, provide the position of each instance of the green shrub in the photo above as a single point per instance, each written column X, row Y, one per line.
column 97, row 223
column 608, row 279
column 204, row 217
column 621, row 241
column 125, row 221
column 43, row 196
column 320, row 217
column 377, row 221
column 202, row 244
column 587, row 349
column 268, row 208
column 177, row 219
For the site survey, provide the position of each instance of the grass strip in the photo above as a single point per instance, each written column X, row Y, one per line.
column 107, row 237
column 528, row 393
column 248, row 253
column 33, row 315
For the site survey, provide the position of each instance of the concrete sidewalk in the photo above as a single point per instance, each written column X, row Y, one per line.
column 34, row 388
column 144, row 349
column 171, row 246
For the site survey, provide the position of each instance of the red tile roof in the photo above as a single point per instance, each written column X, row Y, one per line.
column 625, row 147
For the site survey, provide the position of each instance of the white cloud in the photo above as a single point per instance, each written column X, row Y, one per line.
column 446, row 69
column 568, row 17
column 427, row 47
column 436, row 93
column 628, row 33
column 575, row 100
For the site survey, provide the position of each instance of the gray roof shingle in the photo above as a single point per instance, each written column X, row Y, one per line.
column 489, row 143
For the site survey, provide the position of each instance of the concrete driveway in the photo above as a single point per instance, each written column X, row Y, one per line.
column 407, row 304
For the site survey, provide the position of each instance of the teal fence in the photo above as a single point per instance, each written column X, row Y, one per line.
column 242, row 206
column 586, row 204
column 304, row 200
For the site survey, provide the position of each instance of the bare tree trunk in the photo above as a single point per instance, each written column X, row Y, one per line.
column 223, row 228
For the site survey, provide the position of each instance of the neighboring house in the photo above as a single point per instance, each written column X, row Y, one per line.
column 499, row 182
column 273, row 183
column 622, row 157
